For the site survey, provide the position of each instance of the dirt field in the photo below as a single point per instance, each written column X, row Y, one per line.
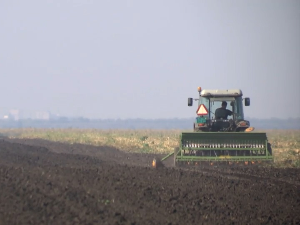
column 43, row 182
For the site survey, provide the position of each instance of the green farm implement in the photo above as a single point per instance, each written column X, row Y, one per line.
column 217, row 139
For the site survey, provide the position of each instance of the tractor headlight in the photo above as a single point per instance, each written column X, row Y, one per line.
column 243, row 124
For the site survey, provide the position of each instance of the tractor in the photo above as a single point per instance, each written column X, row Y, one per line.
column 221, row 135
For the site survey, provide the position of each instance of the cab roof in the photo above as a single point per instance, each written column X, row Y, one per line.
column 219, row 93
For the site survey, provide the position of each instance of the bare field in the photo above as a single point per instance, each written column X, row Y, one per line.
column 285, row 143
column 44, row 182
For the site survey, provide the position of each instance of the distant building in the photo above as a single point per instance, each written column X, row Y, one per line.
column 14, row 114
column 42, row 115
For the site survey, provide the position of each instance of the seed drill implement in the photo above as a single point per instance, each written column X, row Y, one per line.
column 221, row 135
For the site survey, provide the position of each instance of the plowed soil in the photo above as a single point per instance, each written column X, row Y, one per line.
column 43, row 182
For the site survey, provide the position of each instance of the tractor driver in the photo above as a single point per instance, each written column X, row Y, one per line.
column 223, row 113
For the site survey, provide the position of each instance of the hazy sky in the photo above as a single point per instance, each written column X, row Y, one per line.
column 143, row 59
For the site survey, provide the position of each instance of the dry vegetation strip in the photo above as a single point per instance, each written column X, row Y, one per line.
column 286, row 146
column 285, row 143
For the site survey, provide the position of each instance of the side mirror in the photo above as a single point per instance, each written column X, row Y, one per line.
column 247, row 101
column 190, row 101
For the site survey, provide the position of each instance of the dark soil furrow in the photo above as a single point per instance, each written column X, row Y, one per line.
column 42, row 182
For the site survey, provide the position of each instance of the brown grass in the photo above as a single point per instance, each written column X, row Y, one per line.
column 285, row 143
column 286, row 146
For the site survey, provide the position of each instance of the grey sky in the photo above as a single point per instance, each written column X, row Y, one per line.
column 143, row 59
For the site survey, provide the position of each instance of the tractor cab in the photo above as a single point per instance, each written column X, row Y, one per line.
column 210, row 105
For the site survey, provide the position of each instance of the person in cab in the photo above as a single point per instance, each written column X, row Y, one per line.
column 222, row 112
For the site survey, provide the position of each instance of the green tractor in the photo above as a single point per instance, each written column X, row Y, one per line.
column 220, row 134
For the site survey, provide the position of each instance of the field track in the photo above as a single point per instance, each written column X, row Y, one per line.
column 43, row 182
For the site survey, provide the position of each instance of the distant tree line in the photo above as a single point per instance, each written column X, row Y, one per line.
column 174, row 123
